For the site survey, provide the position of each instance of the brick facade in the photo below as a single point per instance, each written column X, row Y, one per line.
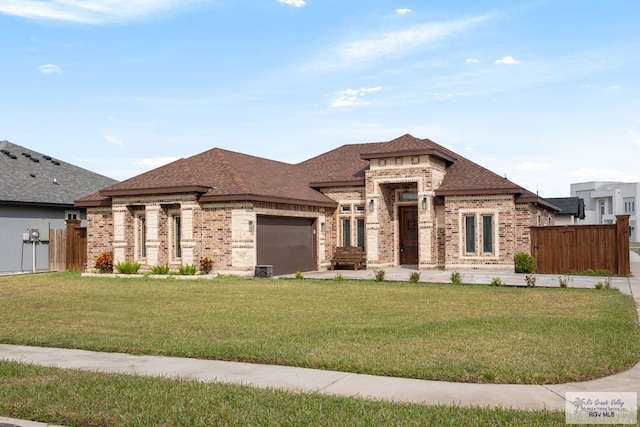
column 455, row 229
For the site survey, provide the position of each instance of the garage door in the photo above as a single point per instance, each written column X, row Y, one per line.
column 285, row 243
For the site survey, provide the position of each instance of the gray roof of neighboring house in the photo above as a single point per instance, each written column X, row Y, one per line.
column 29, row 177
column 568, row 205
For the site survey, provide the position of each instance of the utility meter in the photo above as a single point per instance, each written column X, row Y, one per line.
column 34, row 235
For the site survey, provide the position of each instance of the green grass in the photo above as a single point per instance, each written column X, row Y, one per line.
column 75, row 398
column 441, row 332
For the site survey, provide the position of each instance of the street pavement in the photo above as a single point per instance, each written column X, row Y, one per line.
column 517, row 396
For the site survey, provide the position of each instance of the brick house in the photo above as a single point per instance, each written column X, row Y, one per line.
column 408, row 201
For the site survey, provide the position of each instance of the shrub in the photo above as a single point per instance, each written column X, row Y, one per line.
column 160, row 269
column 127, row 267
column 299, row 275
column 524, row 263
column 415, row 277
column 187, row 270
column 599, row 285
column 456, row 278
column 530, row 280
column 496, row 281
column 338, row 277
column 379, row 275
column 564, row 281
column 206, row 265
column 104, row 263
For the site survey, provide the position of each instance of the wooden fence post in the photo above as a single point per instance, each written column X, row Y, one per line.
column 622, row 245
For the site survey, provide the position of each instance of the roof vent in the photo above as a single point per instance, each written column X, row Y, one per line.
column 32, row 175
column 13, row 156
column 55, row 162
column 47, row 157
column 33, row 159
column 26, row 155
column 55, row 181
column 3, row 151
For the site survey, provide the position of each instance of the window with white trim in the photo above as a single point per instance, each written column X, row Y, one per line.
column 346, row 232
column 629, row 205
column 470, row 234
column 352, row 224
column 360, row 226
column 487, row 234
column 141, row 233
column 72, row 214
column 176, row 235
column 478, row 234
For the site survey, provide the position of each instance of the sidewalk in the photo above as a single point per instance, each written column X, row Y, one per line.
column 525, row 397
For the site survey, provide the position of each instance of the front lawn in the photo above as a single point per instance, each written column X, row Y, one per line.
column 441, row 332
column 75, row 398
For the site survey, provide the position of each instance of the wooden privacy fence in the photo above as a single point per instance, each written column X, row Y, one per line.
column 579, row 248
column 68, row 247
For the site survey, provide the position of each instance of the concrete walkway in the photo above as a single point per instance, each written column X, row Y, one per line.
column 527, row 397
column 294, row 379
column 626, row 285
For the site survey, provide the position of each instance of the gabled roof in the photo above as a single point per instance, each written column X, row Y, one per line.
column 221, row 175
column 29, row 177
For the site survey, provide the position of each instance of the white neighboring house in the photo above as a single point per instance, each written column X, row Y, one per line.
column 603, row 200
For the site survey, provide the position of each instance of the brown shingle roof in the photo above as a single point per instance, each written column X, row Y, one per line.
column 407, row 145
column 339, row 167
column 222, row 175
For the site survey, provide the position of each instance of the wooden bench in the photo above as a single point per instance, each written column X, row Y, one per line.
column 352, row 255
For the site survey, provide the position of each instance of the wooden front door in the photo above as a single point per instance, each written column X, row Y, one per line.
column 409, row 235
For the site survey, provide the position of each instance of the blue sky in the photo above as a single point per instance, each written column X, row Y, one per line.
column 546, row 92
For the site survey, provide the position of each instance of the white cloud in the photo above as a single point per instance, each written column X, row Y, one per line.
column 294, row 3
column 403, row 11
column 113, row 140
column 509, row 60
column 88, row 11
column 50, row 69
column 531, row 166
column 155, row 161
column 350, row 97
column 637, row 141
column 392, row 43
column 472, row 61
